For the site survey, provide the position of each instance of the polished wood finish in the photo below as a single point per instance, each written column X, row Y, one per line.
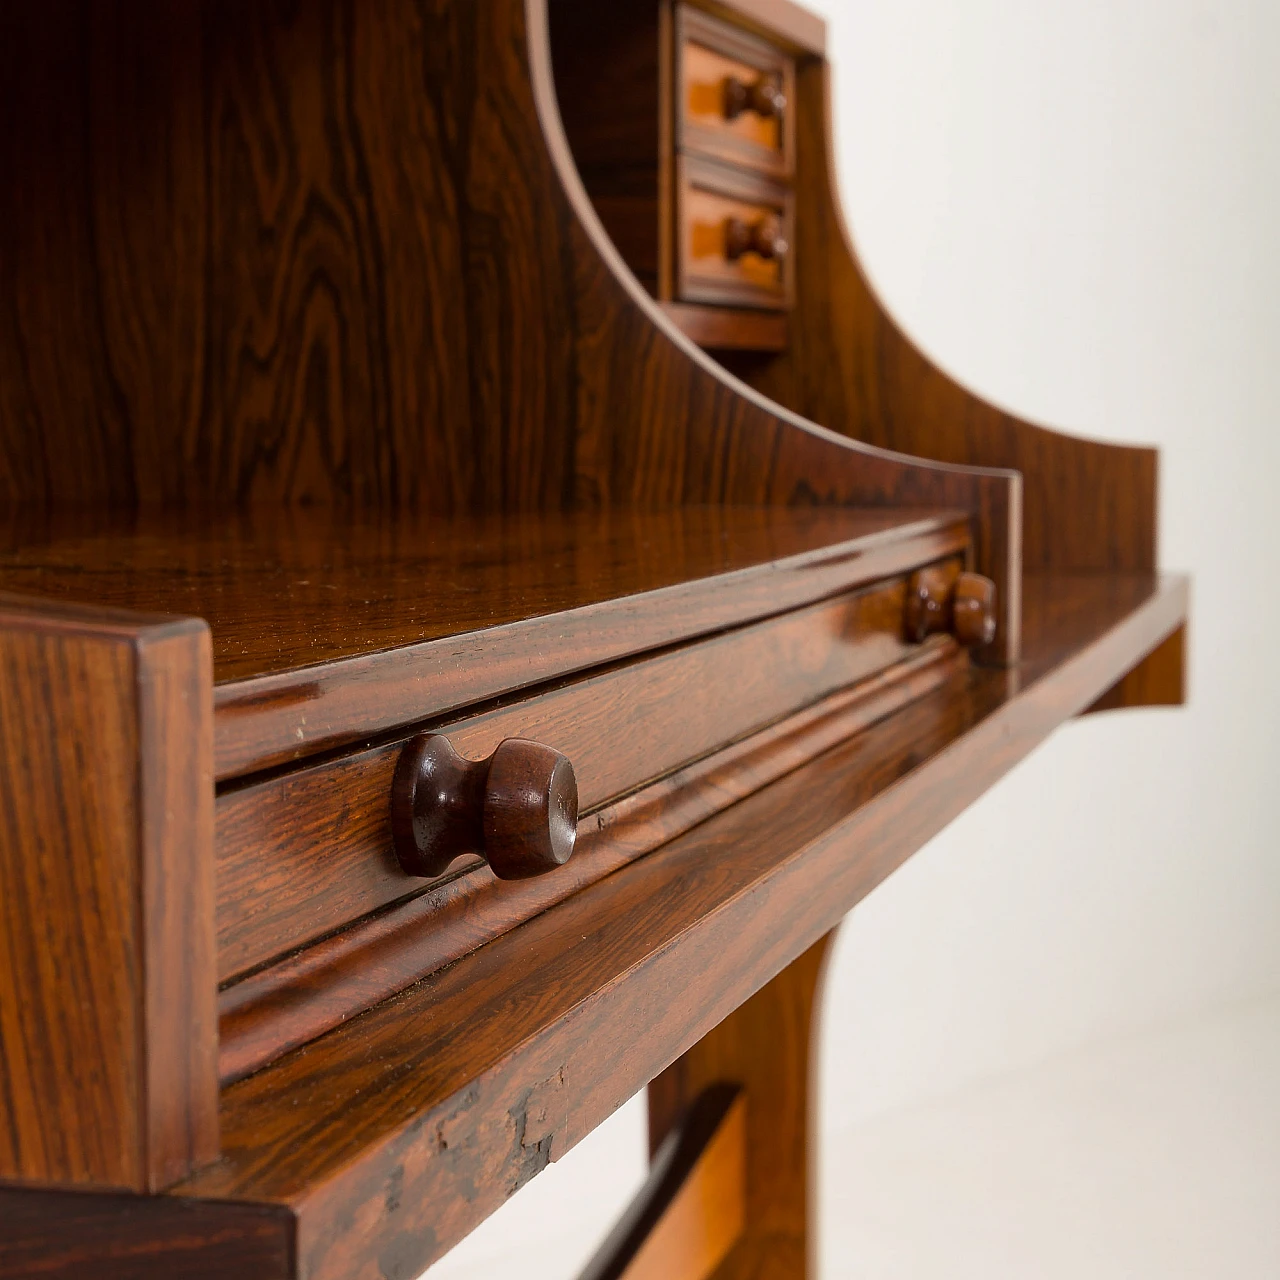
column 973, row 610
column 725, row 223
column 329, row 629
column 254, row 261
column 729, row 328
column 308, row 327
column 300, row 997
column 927, row 608
column 624, row 156
column 766, row 1047
column 60, row 1235
column 305, row 852
column 585, row 47
column 763, row 238
column 848, row 364
column 517, row 809
column 692, row 1209
column 783, row 24
column 764, row 96
column 480, row 1074
column 732, row 92
column 107, row 1031
column 941, row 598
column 1159, row 680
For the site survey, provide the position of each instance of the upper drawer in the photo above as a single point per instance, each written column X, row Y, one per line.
column 734, row 95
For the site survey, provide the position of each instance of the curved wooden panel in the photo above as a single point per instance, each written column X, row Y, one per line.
column 337, row 253
column 848, row 365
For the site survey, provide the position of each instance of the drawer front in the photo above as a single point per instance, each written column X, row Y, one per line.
column 734, row 95
column 734, row 237
column 303, row 854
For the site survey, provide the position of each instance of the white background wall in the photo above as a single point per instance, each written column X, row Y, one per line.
column 1074, row 207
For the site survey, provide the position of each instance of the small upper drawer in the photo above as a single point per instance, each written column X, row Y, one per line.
column 733, row 236
column 734, row 95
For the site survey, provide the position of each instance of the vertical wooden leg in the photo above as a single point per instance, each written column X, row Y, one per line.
column 766, row 1048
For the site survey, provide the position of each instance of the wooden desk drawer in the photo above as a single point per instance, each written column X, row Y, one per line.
column 734, row 95
column 316, row 919
column 734, row 234
column 311, row 850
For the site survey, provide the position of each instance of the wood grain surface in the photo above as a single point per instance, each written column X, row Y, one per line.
column 107, row 1017
column 848, row 365
column 710, row 198
column 692, row 1208
column 707, row 53
column 305, row 852
column 296, row 999
column 329, row 628
column 336, row 254
column 768, row 1047
column 1159, row 680
column 784, row 23
column 581, row 41
column 65, row 1235
column 728, row 328
column 481, row 1074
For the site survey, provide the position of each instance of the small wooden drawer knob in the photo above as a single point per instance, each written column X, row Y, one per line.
column 973, row 610
column 965, row 606
column 764, row 97
column 764, row 237
column 518, row 809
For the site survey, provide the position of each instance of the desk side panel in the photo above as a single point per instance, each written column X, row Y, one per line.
column 107, row 989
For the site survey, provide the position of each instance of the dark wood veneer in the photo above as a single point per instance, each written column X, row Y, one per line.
column 517, row 808
column 692, row 1209
column 338, row 254
column 306, row 852
column 329, row 629
column 768, row 1048
column 300, row 997
column 848, row 364
column 59, row 1235
column 309, row 329
column 107, row 1031
column 554, row 1041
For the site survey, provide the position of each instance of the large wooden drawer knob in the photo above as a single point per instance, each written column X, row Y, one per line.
column 518, row 809
column 965, row 606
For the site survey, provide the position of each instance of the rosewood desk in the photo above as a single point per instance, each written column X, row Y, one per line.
column 484, row 589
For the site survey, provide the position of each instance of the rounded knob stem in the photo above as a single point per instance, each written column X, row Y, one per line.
column 764, row 97
column 763, row 237
column 518, row 809
column 964, row 604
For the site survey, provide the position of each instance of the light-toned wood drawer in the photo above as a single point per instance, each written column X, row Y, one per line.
column 733, row 95
column 734, row 232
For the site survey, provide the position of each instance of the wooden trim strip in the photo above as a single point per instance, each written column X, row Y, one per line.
column 291, row 1003
column 274, row 719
